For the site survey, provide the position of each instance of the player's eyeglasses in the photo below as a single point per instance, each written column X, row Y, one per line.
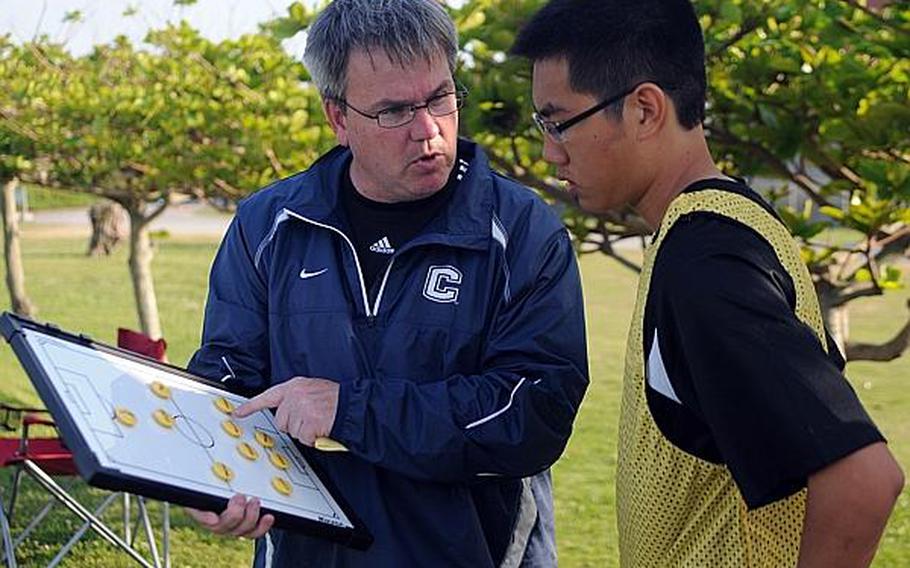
column 556, row 129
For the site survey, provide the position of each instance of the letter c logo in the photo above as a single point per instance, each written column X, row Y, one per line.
column 442, row 284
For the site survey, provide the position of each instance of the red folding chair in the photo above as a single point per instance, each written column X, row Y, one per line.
column 45, row 458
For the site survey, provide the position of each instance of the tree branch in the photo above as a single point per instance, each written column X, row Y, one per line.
column 890, row 154
column 745, row 29
column 625, row 224
column 776, row 164
column 895, row 243
column 607, row 248
column 891, row 349
column 157, row 212
column 231, row 191
column 273, row 160
column 850, row 293
column 875, row 15
column 520, row 174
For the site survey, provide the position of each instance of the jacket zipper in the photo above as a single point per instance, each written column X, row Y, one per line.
column 370, row 313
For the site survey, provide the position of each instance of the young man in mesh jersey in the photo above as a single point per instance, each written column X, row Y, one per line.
column 741, row 441
column 408, row 302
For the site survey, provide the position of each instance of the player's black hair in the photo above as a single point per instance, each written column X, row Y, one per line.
column 610, row 45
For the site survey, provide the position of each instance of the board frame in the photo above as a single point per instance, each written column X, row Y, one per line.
column 91, row 470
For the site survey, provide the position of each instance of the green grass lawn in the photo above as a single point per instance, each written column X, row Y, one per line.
column 94, row 296
column 49, row 198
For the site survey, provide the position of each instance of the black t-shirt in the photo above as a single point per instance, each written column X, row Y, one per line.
column 379, row 229
column 733, row 376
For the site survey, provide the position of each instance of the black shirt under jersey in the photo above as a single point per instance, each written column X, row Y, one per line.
column 750, row 385
column 378, row 229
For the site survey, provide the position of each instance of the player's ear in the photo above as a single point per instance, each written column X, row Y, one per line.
column 648, row 108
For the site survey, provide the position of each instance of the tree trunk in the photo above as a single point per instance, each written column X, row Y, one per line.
column 837, row 321
column 15, row 272
column 110, row 225
column 141, row 274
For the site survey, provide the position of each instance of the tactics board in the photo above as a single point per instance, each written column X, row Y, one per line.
column 141, row 426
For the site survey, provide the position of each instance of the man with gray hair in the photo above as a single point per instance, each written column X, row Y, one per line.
column 406, row 301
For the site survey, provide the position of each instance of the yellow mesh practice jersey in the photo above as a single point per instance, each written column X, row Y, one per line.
column 676, row 509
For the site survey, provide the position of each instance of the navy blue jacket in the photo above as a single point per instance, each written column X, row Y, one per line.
column 462, row 377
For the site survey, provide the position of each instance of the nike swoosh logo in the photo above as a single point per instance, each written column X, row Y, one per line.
column 304, row 274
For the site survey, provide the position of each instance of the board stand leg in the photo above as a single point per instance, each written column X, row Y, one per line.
column 51, row 486
column 9, row 553
column 82, row 530
column 126, row 518
column 36, row 520
column 166, row 534
column 149, row 534
column 14, row 492
column 143, row 519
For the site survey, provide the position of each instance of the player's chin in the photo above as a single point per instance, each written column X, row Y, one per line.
column 593, row 202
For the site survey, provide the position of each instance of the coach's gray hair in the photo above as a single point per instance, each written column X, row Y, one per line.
column 406, row 30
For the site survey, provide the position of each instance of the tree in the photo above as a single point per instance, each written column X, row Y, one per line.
column 811, row 95
column 816, row 95
column 189, row 116
column 15, row 150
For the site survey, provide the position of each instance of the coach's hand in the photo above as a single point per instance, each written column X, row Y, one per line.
column 305, row 407
column 240, row 518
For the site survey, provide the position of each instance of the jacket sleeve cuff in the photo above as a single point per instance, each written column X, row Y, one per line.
column 350, row 414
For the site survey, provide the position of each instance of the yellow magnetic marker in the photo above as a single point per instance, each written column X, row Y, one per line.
column 264, row 439
column 224, row 405
column 247, row 451
column 231, row 428
column 163, row 418
column 279, row 460
column 160, row 389
column 281, row 485
column 222, row 471
column 124, row 416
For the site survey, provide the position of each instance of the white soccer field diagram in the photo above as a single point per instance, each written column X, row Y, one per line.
column 149, row 422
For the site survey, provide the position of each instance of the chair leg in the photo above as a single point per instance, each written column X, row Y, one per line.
column 45, row 481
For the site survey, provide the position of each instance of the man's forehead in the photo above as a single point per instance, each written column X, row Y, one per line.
column 384, row 78
column 378, row 60
column 550, row 85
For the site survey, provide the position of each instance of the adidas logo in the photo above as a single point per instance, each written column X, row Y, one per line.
column 382, row 246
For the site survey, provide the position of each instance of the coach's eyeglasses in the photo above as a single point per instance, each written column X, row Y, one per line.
column 442, row 104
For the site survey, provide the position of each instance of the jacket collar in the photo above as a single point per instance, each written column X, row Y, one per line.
column 465, row 221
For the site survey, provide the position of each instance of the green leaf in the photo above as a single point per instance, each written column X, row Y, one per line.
column 891, row 278
column 863, row 275
column 835, row 213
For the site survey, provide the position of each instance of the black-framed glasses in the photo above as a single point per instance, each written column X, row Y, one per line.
column 555, row 129
column 442, row 104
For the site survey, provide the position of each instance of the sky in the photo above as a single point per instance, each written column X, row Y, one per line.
column 102, row 20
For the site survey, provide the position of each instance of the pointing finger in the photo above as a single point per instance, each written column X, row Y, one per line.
column 269, row 398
